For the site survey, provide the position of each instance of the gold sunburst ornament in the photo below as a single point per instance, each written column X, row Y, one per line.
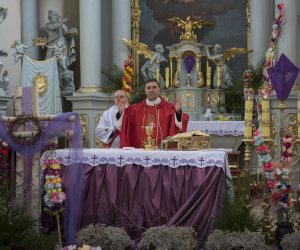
column 40, row 81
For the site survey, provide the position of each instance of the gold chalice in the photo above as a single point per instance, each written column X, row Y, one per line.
column 149, row 143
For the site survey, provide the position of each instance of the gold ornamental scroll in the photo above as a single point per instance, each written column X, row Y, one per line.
column 135, row 28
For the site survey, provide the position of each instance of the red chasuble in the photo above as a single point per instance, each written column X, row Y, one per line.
column 139, row 115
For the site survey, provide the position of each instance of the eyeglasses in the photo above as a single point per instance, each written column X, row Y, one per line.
column 119, row 96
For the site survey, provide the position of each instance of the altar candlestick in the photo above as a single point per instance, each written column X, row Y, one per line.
column 265, row 118
column 157, row 74
column 208, row 76
column 167, row 77
column 218, row 76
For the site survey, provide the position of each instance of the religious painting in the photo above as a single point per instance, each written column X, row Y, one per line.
column 227, row 18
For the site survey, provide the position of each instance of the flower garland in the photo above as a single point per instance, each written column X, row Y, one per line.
column 248, row 81
column 54, row 196
column 278, row 174
column 127, row 75
column 270, row 56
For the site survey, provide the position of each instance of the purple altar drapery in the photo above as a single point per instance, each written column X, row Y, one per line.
column 137, row 198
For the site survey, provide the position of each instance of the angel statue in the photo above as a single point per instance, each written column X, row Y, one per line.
column 151, row 67
column 21, row 50
column 223, row 76
column 3, row 14
column 188, row 26
column 4, row 83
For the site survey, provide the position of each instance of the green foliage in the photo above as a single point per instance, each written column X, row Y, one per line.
column 113, row 80
column 175, row 238
column 14, row 226
column 234, row 98
column 291, row 241
column 220, row 240
column 237, row 216
column 36, row 241
column 234, row 95
column 258, row 78
column 109, row 238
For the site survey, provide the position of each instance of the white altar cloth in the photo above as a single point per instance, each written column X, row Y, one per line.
column 220, row 128
column 147, row 158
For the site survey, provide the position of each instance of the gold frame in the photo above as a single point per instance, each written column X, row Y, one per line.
column 40, row 81
column 135, row 28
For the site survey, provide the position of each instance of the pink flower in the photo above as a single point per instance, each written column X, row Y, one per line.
column 270, row 184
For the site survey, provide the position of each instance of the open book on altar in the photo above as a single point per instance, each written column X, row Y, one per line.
column 189, row 134
column 192, row 140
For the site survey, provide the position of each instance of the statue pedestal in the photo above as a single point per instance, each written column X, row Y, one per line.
column 3, row 104
column 90, row 106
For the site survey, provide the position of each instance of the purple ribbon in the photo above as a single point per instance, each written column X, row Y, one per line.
column 74, row 181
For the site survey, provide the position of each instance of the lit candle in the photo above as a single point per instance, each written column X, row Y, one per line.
column 265, row 118
column 218, row 76
column 167, row 77
column 157, row 73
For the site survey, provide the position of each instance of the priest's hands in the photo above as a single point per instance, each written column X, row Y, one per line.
column 178, row 105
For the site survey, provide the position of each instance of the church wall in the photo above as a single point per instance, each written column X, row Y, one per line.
column 10, row 30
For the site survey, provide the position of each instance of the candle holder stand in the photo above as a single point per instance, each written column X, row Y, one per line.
column 247, row 170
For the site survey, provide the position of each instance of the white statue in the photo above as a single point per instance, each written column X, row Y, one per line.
column 208, row 114
column 60, row 35
column 59, row 51
column 226, row 74
column 4, row 82
column 61, row 44
column 148, row 70
column 221, row 58
column 20, row 50
column 67, row 86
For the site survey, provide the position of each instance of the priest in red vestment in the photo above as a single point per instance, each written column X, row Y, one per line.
column 166, row 118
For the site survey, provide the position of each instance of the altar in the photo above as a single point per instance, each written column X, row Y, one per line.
column 137, row 189
column 225, row 134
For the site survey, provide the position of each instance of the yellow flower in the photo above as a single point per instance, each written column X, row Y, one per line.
column 55, row 166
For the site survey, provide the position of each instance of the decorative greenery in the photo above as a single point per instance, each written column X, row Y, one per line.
column 36, row 241
column 220, row 240
column 175, row 238
column 237, row 216
column 291, row 241
column 234, row 101
column 113, row 79
column 14, row 226
column 127, row 75
column 108, row 238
